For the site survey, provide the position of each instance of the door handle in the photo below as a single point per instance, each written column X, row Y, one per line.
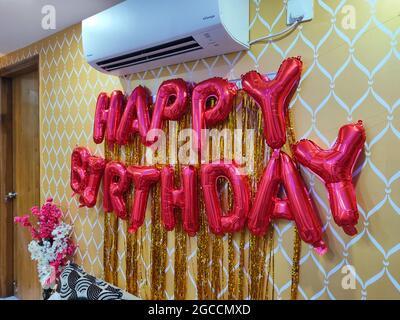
column 10, row 196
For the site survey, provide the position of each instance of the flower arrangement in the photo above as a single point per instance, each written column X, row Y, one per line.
column 51, row 243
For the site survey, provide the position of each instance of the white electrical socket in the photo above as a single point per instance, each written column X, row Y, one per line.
column 297, row 9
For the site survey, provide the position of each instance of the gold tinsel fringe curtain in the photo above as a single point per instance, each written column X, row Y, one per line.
column 235, row 266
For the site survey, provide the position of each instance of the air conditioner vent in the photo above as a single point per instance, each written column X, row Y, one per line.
column 164, row 50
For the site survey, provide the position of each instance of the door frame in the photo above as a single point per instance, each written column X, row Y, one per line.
column 6, row 169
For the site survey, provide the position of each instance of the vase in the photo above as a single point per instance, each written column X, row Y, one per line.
column 46, row 293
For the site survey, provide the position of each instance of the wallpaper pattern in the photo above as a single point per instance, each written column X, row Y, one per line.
column 351, row 55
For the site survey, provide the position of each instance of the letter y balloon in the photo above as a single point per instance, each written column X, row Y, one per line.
column 335, row 167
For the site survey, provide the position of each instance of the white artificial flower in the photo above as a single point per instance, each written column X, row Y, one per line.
column 47, row 252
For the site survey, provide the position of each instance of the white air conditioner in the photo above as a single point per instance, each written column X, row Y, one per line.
column 139, row 35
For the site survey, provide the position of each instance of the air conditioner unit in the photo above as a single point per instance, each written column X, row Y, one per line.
column 139, row 35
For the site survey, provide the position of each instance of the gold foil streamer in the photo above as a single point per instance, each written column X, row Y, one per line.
column 253, row 120
column 133, row 151
column 296, row 265
column 217, row 240
column 180, row 236
column 241, row 279
column 203, row 255
column 158, row 248
column 110, row 246
column 241, row 266
column 263, row 293
column 231, row 247
column 107, row 226
column 203, row 249
column 159, row 240
column 131, row 271
column 231, row 264
column 260, row 254
column 216, row 266
column 256, row 264
column 180, row 261
column 297, row 240
column 253, row 266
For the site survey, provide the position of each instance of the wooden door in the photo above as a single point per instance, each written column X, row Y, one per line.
column 26, row 177
column 6, row 176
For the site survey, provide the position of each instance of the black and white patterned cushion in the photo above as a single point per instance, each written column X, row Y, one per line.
column 76, row 284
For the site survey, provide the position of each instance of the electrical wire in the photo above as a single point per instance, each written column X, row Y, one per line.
column 274, row 35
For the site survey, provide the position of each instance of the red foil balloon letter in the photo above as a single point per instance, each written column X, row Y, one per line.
column 86, row 174
column 301, row 206
column 95, row 172
column 185, row 198
column 218, row 88
column 107, row 117
column 263, row 205
column 171, row 103
column 115, row 183
column 100, row 117
column 297, row 206
column 135, row 118
column 79, row 163
column 273, row 97
column 335, row 167
column 143, row 178
column 234, row 220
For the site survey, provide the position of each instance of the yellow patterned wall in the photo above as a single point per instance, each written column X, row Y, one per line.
column 350, row 74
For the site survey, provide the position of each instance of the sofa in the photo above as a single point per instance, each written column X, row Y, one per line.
column 76, row 284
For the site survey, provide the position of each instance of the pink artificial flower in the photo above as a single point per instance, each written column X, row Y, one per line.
column 49, row 216
column 71, row 248
column 23, row 220
column 35, row 235
column 35, row 211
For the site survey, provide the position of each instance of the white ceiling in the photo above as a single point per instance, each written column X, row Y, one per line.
column 21, row 20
